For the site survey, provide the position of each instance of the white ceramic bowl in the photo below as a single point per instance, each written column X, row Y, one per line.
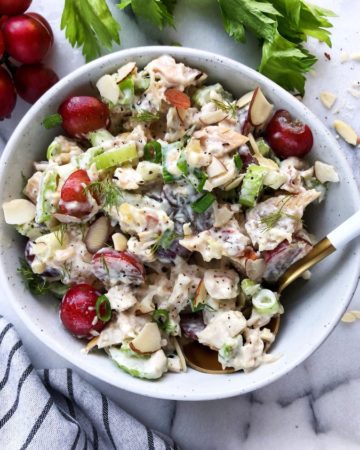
column 310, row 312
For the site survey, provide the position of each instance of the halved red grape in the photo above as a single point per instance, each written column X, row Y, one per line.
column 83, row 114
column 191, row 325
column 2, row 45
column 78, row 313
column 288, row 136
column 73, row 198
column 112, row 266
column 27, row 38
column 14, row 7
column 7, row 94
column 33, row 80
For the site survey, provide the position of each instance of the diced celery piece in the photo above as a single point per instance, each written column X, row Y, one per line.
column 251, row 185
column 44, row 204
column 53, row 149
column 203, row 95
column 263, row 147
column 148, row 367
column 141, row 84
column 98, row 137
column 127, row 91
column 85, row 160
column 116, row 156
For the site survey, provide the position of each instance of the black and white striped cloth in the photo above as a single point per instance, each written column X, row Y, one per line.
column 57, row 410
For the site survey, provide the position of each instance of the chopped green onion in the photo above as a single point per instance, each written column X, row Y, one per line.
column 203, row 203
column 182, row 164
column 161, row 317
column 58, row 289
column 238, row 161
column 263, row 147
column 164, row 241
column 141, row 84
column 250, row 287
column 51, row 121
column 168, row 178
column 202, row 177
column 152, row 152
column 104, row 316
column 146, row 116
column 266, row 302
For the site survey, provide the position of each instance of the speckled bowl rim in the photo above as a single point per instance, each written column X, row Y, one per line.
column 146, row 387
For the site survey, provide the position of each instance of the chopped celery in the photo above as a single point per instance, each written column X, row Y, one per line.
column 98, row 137
column 249, row 287
column 141, row 84
column 251, row 185
column 266, row 302
column 32, row 230
column 148, row 367
column 53, row 149
column 44, row 205
column 86, row 159
column 116, row 156
column 204, row 94
column 314, row 183
column 263, row 147
column 127, row 91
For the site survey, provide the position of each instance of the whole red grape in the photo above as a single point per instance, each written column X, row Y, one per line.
column 288, row 136
column 77, row 311
column 2, row 45
column 27, row 38
column 83, row 114
column 14, row 7
column 7, row 94
column 42, row 19
column 33, row 80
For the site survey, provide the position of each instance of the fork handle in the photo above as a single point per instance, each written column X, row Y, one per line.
column 346, row 232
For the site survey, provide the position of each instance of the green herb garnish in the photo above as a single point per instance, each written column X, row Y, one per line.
column 182, row 164
column 35, row 283
column 199, row 307
column 238, row 161
column 52, row 121
column 106, row 192
column 103, row 303
column 270, row 221
column 226, row 106
column 164, row 240
column 152, row 152
column 161, row 317
column 60, row 232
column 146, row 116
column 203, row 203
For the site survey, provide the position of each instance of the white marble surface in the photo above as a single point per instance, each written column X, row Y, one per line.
column 317, row 405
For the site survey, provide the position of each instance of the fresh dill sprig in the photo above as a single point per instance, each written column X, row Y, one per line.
column 105, row 266
column 60, row 232
column 271, row 220
column 66, row 270
column 106, row 192
column 36, row 284
column 146, row 116
column 164, row 240
column 199, row 307
column 226, row 106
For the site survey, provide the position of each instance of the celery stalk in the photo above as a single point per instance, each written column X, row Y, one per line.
column 116, row 156
column 251, row 185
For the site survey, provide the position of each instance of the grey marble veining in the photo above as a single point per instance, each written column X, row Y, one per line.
column 317, row 405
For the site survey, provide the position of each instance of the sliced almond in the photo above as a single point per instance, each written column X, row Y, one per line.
column 355, row 56
column 345, row 131
column 124, row 71
column 119, row 241
column 245, row 99
column 350, row 316
column 19, row 211
column 354, row 92
column 212, row 117
column 325, row 172
column 327, row 99
column 148, row 340
column 182, row 114
column 97, row 234
column 200, row 294
column 266, row 162
column 180, row 354
column 108, row 88
column 344, row 56
column 222, row 215
column 91, row 345
column 215, row 168
column 234, row 184
column 259, row 109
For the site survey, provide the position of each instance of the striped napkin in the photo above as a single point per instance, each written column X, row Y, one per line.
column 57, row 410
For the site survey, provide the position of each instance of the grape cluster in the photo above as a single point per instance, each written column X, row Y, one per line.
column 25, row 39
